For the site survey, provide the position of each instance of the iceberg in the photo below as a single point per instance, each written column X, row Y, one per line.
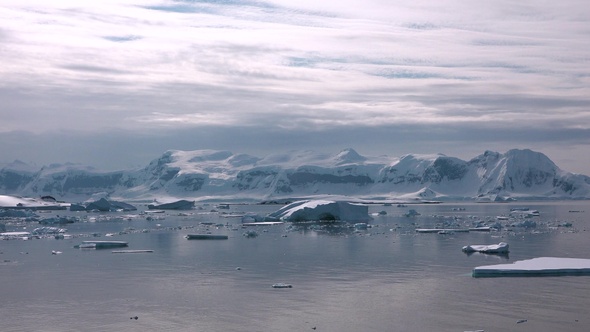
column 500, row 248
column 105, row 205
column 322, row 210
column 541, row 266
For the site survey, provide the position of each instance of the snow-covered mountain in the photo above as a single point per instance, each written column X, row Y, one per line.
column 211, row 174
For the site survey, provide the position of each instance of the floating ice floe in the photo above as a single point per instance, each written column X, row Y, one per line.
column 263, row 223
column 412, row 213
column 360, row 225
column 500, row 248
column 136, row 251
column 442, row 230
column 101, row 244
column 15, row 235
column 206, row 237
column 48, row 230
column 541, row 266
column 282, row 285
column 58, row 220
column 525, row 224
column 524, row 212
column 324, row 210
column 250, row 234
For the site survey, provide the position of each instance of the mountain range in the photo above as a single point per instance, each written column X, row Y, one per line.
column 223, row 175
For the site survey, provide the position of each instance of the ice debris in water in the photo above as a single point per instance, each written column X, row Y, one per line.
column 250, row 234
column 282, row 285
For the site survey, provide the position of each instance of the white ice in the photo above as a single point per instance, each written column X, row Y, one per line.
column 500, row 248
column 322, row 210
column 541, row 266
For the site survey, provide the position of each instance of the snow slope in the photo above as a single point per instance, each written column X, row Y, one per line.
column 212, row 174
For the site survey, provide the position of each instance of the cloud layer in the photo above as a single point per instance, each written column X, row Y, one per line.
column 380, row 76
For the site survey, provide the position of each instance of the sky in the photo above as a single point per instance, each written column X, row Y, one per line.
column 116, row 83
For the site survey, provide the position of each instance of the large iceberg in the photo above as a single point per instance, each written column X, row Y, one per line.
column 541, row 266
column 323, row 210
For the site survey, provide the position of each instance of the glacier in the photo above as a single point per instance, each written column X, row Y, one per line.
column 208, row 175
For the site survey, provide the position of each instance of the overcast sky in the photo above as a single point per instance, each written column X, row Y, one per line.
column 115, row 83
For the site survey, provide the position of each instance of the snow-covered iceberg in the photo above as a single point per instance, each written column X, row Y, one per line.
column 541, row 266
column 500, row 248
column 323, row 210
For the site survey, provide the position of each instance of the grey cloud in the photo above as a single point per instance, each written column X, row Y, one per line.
column 124, row 149
column 121, row 39
column 393, row 77
column 94, row 69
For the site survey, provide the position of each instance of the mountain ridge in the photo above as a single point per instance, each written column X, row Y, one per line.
column 223, row 175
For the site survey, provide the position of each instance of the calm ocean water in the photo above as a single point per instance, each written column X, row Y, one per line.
column 385, row 278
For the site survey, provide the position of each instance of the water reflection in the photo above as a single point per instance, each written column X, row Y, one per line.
column 345, row 278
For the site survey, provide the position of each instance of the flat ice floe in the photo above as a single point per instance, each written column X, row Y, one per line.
column 541, row 266
column 500, row 248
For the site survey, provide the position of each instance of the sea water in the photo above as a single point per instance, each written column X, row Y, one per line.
column 384, row 278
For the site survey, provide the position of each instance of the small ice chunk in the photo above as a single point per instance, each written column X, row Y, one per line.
column 500, row 248
column 250, row 234
column 282, row 285
column 412, row 213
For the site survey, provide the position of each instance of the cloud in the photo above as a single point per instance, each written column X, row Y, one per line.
column 442, row 71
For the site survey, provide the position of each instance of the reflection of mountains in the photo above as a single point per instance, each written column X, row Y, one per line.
column 332, row 228
column 503, row 255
